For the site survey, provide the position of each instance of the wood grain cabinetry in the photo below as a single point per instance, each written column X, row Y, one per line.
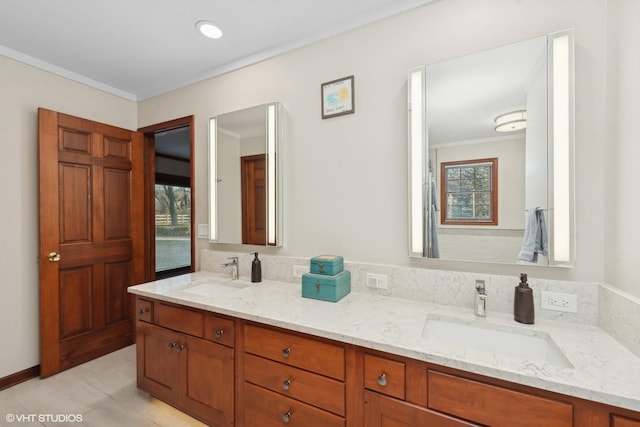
column 494, row 406
column 448, row 399
column 618, row 421
column 181, row 363
column 231, row 372
column 381, row 411
column 290, row 379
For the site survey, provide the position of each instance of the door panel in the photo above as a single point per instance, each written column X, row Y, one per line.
column 75, row 221
column 75, row 302
column 91, row 205
column 254, row 200
column 116, row 297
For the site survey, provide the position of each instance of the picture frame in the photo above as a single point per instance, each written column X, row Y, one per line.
column 337, row 97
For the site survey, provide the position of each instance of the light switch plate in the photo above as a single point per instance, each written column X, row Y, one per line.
column 203, row 231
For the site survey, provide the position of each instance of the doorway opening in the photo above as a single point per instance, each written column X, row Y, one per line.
column 169, row 199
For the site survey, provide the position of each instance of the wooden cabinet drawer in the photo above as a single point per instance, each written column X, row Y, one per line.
column 320, row 391
column 219, row 329
column 306, row 353
column 494, row 406
column 144, row 310
column 384, row 376
column 180, row 319
column 618, row 421
column 381, row 411
column 265, row 408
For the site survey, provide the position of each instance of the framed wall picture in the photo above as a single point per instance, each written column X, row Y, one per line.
column 337, row 97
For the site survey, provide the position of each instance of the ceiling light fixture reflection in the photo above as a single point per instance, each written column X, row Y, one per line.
column 509, row 122
column 209, row 29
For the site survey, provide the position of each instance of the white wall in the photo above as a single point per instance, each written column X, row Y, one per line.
column 229, row 189
column 23, row 90
column 623, row 146
column 345, row 189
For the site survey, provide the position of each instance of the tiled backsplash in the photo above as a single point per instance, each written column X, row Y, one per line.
column 598, row 304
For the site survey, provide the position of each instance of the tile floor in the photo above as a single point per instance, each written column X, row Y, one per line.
column 102, row 392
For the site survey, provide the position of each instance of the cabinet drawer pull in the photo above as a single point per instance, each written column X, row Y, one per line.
column 286, row 417
column 382, row 380
column 286, row 385
column 219, row 333
column 143, row 310
column 286, row 352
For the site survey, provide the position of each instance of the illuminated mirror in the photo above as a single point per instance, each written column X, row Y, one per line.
column 245, row 176
column 490, row 144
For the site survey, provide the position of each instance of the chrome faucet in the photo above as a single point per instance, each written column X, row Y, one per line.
column 480, row 308
column 234, row 267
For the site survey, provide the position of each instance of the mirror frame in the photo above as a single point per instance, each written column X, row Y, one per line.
column 273, row 146
column 560, row 168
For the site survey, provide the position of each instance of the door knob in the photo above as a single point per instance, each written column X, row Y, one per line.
column 54, row 256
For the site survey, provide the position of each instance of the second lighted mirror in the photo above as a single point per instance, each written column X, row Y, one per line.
column 490, row 143
column 245, row 176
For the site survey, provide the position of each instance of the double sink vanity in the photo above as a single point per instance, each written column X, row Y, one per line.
column 231, row 352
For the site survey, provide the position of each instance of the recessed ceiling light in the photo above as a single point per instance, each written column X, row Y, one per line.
column 209, row 29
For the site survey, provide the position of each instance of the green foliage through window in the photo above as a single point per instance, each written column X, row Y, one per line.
column 469, row 191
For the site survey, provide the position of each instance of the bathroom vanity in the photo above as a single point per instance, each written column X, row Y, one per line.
column 235, row 353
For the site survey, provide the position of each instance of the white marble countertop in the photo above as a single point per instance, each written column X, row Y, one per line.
column 603, row 370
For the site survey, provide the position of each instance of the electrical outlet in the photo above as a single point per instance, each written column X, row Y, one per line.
column 378, row 281
column 559, row 301
column 299, row 270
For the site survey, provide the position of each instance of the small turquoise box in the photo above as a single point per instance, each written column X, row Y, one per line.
column 327, row 264
column 326, row 288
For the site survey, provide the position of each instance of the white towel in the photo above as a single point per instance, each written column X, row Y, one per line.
column 535, row 239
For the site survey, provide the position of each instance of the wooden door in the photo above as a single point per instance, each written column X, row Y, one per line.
column 158, row 361
column 254, row 200
column 91, row 237
column 207, row 385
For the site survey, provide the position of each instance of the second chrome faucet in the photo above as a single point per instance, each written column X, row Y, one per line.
column 480, row 308
column 234, row 266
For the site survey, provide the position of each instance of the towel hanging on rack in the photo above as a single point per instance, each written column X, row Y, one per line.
column 535, row 239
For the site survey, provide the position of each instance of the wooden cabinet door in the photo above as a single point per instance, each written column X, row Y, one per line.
column 207, row 380
column 380, row 411
column 157, row 360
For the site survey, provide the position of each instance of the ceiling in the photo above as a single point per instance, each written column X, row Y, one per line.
column 142, row 48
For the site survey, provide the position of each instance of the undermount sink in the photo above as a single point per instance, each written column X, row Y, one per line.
column 523, row 345
column 214, row 288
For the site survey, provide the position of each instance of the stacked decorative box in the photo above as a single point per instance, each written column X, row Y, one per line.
column 327, row 279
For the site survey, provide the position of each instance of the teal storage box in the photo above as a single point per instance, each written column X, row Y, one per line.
column 326, row 288
column 327, row 264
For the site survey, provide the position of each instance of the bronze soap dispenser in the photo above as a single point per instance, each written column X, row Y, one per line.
column 523, row 302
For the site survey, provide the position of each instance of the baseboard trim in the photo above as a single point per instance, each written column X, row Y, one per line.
column 18, row 377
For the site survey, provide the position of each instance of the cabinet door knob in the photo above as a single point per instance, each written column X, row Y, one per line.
column 286, row 385
column 179, row 348
column 286, row 352
column 172, row 344
column 382, row 380
column 219, row 333
column 286, row 417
